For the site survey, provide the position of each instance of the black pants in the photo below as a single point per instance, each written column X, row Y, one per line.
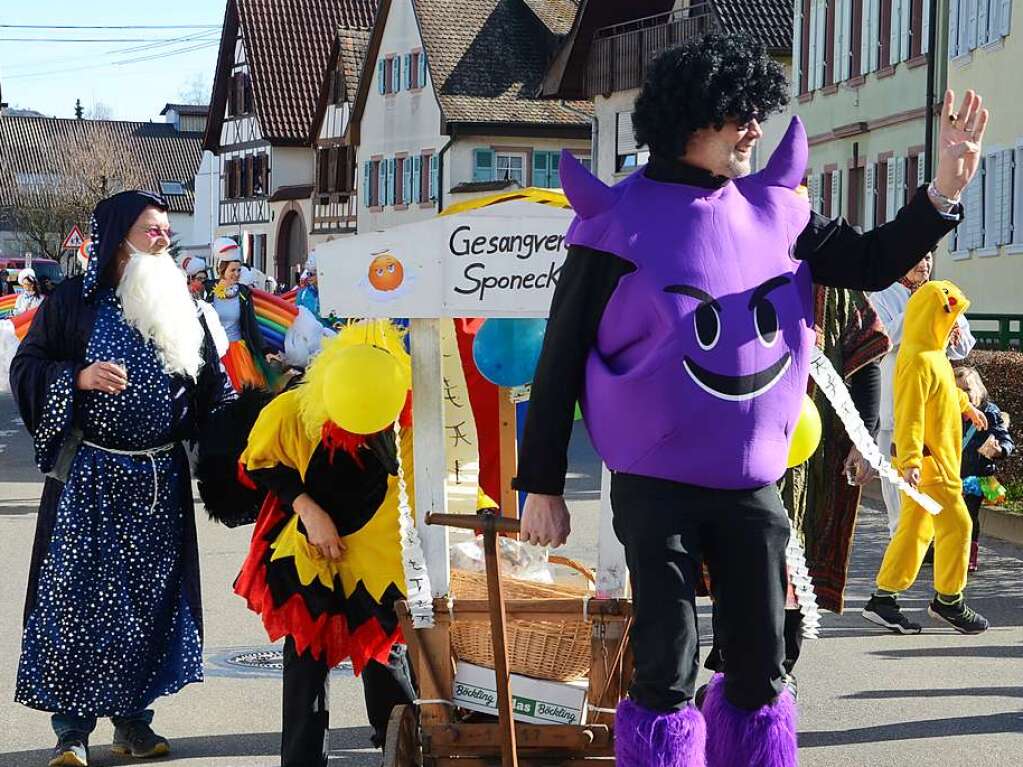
column 973, row 504
column 306, row 702
column 668, row 529
column 793, row 643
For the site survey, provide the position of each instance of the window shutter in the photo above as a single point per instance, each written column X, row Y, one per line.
column 847, row 28
column 982, row 20
column 866, row 23
column 905, row 19
column 1008, row 166
column 992, row 202
column 483, row 165
column 406, row 180
column 953, row 28
column 874, row 36
column 367, row 170
column 422, row 69
column 973, row 202
column 971, row 25
column 408, row 71
column 381, row 81
column 889, row 212
column 895, row 32
column 434, row 176
column 869, row 197
column 380, row 198
column 626, row 139
column 925, row 27
column 1004, row 18
column 921, row 170
column 554, row 170
column 540, row 161
column 836, row 194
column 822, row 42
column 396, row 73
column 901, row 182
column 798, row 76
column 1017, row 197
column 838, row 54
column 811, row 188
column 811, row 75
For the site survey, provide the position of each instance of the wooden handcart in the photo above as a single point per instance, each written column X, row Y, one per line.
column 433, row 733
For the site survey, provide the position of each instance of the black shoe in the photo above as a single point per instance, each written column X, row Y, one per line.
column 958, row 616
column 884, row 611
column 72, row 750
column 701, row 694
column 138, row 739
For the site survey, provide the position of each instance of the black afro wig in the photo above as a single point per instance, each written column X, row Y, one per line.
column 702, row 83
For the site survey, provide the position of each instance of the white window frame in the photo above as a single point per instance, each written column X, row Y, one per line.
column 501, row 173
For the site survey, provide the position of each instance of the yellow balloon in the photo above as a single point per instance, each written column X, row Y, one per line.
column 807, row 435
column 365, row 389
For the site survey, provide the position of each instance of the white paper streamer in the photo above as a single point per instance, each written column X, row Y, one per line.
column 417, row 579
column 799, row 574
column 834, row 388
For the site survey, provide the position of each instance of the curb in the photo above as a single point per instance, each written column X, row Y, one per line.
column 1002, row 525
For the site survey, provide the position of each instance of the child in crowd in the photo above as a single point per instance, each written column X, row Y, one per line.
column 928, row 452
column 981, row 447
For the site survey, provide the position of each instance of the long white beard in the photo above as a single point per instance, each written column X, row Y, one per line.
column 156, row 302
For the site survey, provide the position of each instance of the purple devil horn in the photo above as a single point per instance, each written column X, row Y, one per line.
column 787, row 165
column 587, row 193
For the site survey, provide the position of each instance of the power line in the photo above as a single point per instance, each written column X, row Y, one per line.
column 65, row 70
column 121, row 27
column 84, row 39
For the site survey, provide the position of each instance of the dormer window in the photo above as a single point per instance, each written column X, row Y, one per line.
column 171, row 187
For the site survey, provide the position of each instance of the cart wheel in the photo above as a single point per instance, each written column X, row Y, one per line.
column 402, row 748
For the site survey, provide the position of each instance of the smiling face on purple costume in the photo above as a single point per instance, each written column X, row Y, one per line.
column 701, row 358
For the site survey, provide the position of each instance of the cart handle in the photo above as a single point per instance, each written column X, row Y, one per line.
column 475, row 522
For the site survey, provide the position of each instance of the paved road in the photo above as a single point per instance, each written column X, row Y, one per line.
column 867, row 698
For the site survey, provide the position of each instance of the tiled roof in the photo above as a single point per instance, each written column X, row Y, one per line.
column 287, row 45
column 556, row 15
column 287, row 48
column 27, row 145
column 487, row 59
column 353, row 44
column 769, row 21
column 187, row 109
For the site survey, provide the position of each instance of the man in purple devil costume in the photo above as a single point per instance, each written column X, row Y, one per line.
column 683, row 322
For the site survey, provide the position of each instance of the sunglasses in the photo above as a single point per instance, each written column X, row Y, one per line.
column 155, row 232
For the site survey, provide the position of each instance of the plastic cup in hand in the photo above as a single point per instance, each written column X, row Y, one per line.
column 123, row 364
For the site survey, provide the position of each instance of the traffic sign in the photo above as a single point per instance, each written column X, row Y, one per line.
column 74, row 239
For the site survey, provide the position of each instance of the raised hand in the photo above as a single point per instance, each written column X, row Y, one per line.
column 960, row 138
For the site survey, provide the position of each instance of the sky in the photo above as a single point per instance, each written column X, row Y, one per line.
column 49, row 76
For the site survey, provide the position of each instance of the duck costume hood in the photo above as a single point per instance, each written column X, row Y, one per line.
column 702, row 355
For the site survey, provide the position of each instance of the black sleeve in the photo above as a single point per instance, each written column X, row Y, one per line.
column 996, row 426
column 841, row 257
column 587, row 280
column 865, row 388
column 282, row 481
column 250, row 327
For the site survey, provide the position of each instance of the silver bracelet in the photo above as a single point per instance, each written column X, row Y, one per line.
column 946, row 202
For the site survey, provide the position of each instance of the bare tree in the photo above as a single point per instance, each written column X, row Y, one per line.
column 100, row 111
column 82, row 168
column 195, row 91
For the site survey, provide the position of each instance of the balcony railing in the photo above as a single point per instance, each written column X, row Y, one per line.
column 621, row 54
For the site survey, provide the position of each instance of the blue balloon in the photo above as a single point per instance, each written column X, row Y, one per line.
column 506, row 351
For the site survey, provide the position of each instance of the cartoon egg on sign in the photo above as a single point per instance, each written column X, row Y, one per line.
column 386, row 272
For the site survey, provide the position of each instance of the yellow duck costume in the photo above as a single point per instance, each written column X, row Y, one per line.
column 929, row 436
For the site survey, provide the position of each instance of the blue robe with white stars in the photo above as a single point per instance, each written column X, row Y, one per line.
column 113, row 618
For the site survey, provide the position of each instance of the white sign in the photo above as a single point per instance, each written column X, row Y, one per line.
column 74, row 239
column 498, row 261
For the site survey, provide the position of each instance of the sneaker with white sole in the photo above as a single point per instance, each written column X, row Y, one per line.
column 884, row 611
column 963, row 619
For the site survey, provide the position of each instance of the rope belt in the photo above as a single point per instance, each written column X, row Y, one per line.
column 150, row 453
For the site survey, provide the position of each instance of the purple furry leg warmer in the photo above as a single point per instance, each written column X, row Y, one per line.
column 645, row 738
column 764, row 737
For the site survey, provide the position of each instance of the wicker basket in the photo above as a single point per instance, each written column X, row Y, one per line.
column 555, row 650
